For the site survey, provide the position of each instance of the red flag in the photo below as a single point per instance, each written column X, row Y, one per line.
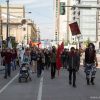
column 58, row 58
column 62, row 47
column 74, row 28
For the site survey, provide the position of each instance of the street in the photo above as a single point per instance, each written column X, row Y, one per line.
column 45, row 88
column 56, row 33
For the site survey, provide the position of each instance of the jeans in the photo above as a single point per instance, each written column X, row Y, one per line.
column 72, row 72
column 14, row 64
column 39, row 70
column 7, row 70
column 53, row 70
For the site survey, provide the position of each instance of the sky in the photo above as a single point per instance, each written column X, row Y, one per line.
column 42, row 14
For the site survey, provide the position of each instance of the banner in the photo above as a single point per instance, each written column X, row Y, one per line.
column 74, row 28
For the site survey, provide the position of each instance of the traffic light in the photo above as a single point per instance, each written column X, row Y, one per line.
column 62, row 8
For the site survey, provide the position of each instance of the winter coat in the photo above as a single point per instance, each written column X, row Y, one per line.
column 73, row 61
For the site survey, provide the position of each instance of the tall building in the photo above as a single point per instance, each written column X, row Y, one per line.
column 62, row 20
column 0, row 22
column 0, row 29
column 98, row 25
column 88, row 21
column 21, row 32
column 16, row 13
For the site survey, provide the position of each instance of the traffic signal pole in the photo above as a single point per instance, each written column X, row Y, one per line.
column 84, row 6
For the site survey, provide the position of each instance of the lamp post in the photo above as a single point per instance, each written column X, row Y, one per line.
column 7, row 32
column 38, row 34
column 56, row 38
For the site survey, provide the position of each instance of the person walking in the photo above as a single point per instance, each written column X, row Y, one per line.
column 39, row 63
column 78, row 54
column 26, row 58
column 73, row 61
column 14, row 56
column 47, row 59
column 34, row 60
column 64, row 57
column 90, row 63
column 8, row 59
column 53, row 62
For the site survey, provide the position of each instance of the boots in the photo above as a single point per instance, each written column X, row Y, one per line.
column 88, row 81
column 70, row 82
column 92, row 81
column 74, row 85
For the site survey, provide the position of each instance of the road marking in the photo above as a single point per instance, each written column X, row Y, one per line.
column 8, row 84
column 40, row 89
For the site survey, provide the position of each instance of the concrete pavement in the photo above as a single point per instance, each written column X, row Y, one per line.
column 45, row 88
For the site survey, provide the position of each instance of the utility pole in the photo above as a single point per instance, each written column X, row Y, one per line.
column 1, row 38
column 58, row 21
column 7, row 34
column 27, row 33
column 68, row 2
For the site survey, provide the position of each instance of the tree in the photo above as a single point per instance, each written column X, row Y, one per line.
column 13, row 42
column 87, row 42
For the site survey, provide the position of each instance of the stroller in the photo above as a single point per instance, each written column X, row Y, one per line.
column 24, row 73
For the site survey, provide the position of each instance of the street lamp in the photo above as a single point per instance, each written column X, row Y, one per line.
column 7, row 22
column 38, row 34
column 56, row 39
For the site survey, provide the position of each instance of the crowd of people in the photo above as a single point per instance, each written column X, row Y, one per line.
column 40, row 59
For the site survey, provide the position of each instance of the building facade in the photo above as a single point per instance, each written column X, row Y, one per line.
column 98, row 24
column 62, row 31
column 88, row 21
column 21, row 32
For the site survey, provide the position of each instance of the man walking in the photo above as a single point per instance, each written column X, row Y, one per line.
column 8, row 59
column 53, row 62
column 90, row 63
column 73, row 61
column 34, row 60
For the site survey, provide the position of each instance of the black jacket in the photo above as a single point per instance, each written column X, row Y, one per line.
column 73, row 61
